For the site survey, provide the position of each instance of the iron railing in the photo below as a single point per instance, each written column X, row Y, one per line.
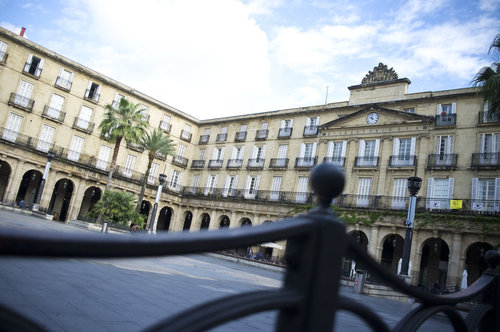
column 285, row 132
column 442, row 161
column 446, row 120
column 240, row 136
column 261, row 134
column 186, row 135
column 53, row 113
column 21, row 102
column 309, row 298
column 221, row 138
column 165, row 126
column 199, row 163
column 310, row 131
column 204, row 139
column 488, row 117
column 234, row 163
column 63, row 83
column 83, row 125
column 486, row 160
column 180, row 161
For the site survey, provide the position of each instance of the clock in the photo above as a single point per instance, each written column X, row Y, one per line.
column 372, row 118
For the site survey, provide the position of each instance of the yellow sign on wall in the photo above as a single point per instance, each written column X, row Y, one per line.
column 455, row 204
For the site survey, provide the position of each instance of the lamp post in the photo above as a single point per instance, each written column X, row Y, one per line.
column 36, row 203
column 414, row 184
column 152, row 222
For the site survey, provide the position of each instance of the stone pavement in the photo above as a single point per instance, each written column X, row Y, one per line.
column 131, row 294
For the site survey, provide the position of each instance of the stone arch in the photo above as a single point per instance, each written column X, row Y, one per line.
column 61, row 198
column 434, row 263
column 5, row 171
column 392, row 251
column 224, row 221
column 474, row 260
column 188, row 217
column 348, row 265
column 245, row 222
column 205, row 221
column 145, row 209
column 29, row 186
column 164, row 218
column 91, row 196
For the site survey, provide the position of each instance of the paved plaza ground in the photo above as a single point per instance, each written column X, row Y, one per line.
column 132, row 294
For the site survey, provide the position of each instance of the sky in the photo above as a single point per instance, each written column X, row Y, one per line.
column 221, row 58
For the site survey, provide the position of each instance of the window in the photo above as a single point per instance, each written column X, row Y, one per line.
column 116, row 100
column 165, row 123
column 153, row 173
column 445, row 109
column 252, row 186
column 201, row 155
column 307, row 154
column 364, row 188
column 399, row 193
column 230, row 185
column 489, row 149
column 93, row 92
column 83, row 120
column 485, row 195
column 218, row 154
column 336, row 153
column 285, row 128
column 23, row 94
column 3, row 52
column 275, row 188
column 145, row 113
column 222, row 137
column 311, row 127
column 45, row 139
column 34, row 65
column 258, row 156
column 409, row 110
column 186, row 133
column 403, row 151
column 444, row 150
column 439, row 193
column 211, row 184
column 368, row 153
column 129, row 165
column 55, row 106
column 103, row 157
column 301, row 196
column 65, row 79
column 196, row 180
column 175, row 180
column 75, row 148
column 281, row 161
column 12, row 127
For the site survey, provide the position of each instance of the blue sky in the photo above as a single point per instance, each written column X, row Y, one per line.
column 226, row 57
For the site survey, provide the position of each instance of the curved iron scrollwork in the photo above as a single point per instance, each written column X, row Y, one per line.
column 317, row 242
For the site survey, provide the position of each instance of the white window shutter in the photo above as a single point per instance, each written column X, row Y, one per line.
column 28, row 63
column 242, row 152
column 361, row 151
column 257, row 181
column 254, row 152
column 377, row 146
column 329, row 153
column 497, row 195
column 475, row 188
column 453, row 108
column 263, row 153
column 87, row 92
column 215, row 153
column 313, row 154
column 222, row 153
column 283, row 123
column 439, row 109
column 308, row 122
column 71, row 76
column 395, row 147
column 430, row 192
column 302, row 150
column 247, row 184
column 451, row 184
column 449, row 145
column 98, row 93
column 344, row 148
column 494, row 143
column 39, row 68
column 412, row 147
column 234, row 152
column 179, row 180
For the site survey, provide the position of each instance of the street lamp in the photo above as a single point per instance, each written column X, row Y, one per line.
column 36, row 203
column 414, row 185
column 152, row 222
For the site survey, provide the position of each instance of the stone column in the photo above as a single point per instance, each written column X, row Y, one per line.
column 50, row 182
column 77, row 198
column 455, row 264
column 15, row 181
column 373, row 243
column 415, row 256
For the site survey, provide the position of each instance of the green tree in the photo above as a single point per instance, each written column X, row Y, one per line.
column 118, row 207
column 156, row 144
column 123, row 123
column 488, row 79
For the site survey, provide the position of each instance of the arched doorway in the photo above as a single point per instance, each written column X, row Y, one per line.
column 5, row 170
column 91, row 196
column 434, row 263
column 224, row 222
column 164, row 219
column 205, row 221
column 474, row 260
column 61, row 197
column 349, row 264
column 392, row 252
column 187, row 221
column 144, row 210
column 29, row 186
column 246, row 222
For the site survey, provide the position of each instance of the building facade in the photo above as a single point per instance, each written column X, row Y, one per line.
column 250, row 169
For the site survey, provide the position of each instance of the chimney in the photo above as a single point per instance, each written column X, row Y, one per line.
column 23, row 29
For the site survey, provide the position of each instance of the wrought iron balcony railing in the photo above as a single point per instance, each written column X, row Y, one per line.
column 486, row 160
column 165, row 126
column 91, row 95
column 221, row 138
column 63, row 83
column 83, row 125
column 234, row 163
column 446, row 120
column 489, row 117
column 198, row 163
column 278, row 163
column 186, row 135
column 366, row 161
column 180, row 161
column 442, row 161
column 338, row 161
column 240, row 136
column 285, row 132
column 135, row 146
column 305, row 162
column 256, row 163
column 215, row 163
column 402, row 161
column 53, row 114
column 21, row 102
column 310, row 131
column 204, row 139
column 3, row 57
column 261, row 134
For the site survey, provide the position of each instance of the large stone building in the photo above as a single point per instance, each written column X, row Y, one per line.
column 250, row 169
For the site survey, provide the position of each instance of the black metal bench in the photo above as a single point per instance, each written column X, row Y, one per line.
column 309, row 298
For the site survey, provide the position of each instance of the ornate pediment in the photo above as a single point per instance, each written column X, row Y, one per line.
column 380, row 74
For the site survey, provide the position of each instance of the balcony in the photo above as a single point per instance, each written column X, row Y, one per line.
column 204, row 139
column 135, row 146
column 165, row 126
column 485, row 160
column 278, row 163
column 21, row 102
column 255, row 163
column 83, row 125
column 128, row 173
column 53, row 114
column 310, row 131
column 161, row 156
column 261, row 134
column 180, row 161
column 221, row 138
column 338, row 161
column 446, row 120
column 91, row 95
column 305, row 162
column 402, row 161
column 366, row 161
column 285, row 132
column 186, row 135
column 3, row 58
column 240, row 136
column 234, row 163
column 488, row 117
column 63, row 83
column 215, row 163
column 442, row 161
column 200, row 163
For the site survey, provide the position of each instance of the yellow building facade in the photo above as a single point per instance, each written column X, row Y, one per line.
column 251, row 169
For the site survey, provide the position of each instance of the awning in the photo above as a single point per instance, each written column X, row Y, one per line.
column 271, row 245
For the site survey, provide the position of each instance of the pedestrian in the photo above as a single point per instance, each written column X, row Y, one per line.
column 133, row 228
column 22, row 204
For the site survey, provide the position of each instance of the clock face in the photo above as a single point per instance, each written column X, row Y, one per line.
column 372, row 118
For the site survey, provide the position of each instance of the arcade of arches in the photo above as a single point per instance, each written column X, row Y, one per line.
column 439, row 254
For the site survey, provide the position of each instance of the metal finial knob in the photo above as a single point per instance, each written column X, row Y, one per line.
column 327, row 181
column 492, row 258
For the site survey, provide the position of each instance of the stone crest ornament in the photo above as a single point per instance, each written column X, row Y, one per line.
column 379, row 74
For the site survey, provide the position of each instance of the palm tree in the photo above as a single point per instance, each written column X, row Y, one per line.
column 123, row 123
column 156, row 144
column 488, row 78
